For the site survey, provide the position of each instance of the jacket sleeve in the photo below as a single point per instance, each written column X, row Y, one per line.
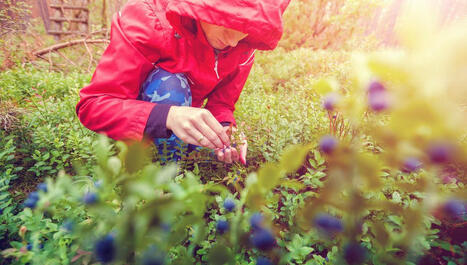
column 221, row 102
column 109, row 104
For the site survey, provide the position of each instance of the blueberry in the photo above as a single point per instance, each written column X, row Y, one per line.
column 222, row 226
column 229, row 205
column 376, row 87
column 90, row 198
column 34, row 195
column 412, row 164
column 30, row 203
column 263, row 261
column 68, row 226
column 42, row 186
column 355, row 253
column 263, row 239
column 327, row 144
column 328, row 224
column 153, row 256
column 104, row 249
column 377, row 96
column 1, row 211
column 454, row 209
column 29, row 246
column 330, row 101
column 256, row 221
column 439, row 152
column 378, row 101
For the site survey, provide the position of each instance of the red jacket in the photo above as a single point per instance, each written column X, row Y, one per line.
column 167, row 33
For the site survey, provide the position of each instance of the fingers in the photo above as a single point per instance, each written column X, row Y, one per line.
column 197, row 126
column 215, row 126
column 201, row 141
column 243, row 151
column 199, row 138
column 227, row 155
column 220, row 154
column 234, row 153
column 210, row 134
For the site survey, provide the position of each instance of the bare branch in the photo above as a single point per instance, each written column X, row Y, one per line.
column 67, row 44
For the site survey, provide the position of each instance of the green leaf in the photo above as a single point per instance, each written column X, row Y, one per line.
column 325, row 86
column 395, row 219
column 292, row 184
column 269, row 175
column 396, row 197
column 220, row 255
column 293, row 157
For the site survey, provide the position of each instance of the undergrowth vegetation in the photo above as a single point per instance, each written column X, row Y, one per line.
column 354, row 158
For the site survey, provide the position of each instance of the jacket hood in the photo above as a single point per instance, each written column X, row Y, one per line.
column 260, row 19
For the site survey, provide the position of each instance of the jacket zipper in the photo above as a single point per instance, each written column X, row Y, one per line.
column 215, row 65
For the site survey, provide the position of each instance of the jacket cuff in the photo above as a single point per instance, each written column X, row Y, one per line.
column 225, row 123
column 156, row 124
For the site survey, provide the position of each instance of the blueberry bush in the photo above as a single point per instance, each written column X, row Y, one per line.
column 354, row 158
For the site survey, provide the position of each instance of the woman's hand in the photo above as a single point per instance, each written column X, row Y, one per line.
column 231, row 154
column 197, row 126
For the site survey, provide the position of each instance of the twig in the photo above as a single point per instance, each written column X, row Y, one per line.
column 67, row 44
column 335, row 123
column 66, row 58
column 106, row 31
column 50, row 62
column 330, row 122
column 90, row 55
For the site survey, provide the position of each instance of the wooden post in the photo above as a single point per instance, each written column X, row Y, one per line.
column 44, row 11
column 104, row 15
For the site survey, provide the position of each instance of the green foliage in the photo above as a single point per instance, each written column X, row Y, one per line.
column 369, row 200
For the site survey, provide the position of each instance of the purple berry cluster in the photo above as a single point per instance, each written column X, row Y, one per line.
column 42, row 186
column 454, row 209
column 439, row 152
column 328, row 144
column 32, row 200
column 355, row 253
column 330, row 101
column 105, row 248
column 262, row 238
column 411, row 164
column 33, row 197
column 229, row 205
column 90, row 198
column 378, row 97
column 330, row 225
column 263, row 261
column 256, row 221
column 222, row 226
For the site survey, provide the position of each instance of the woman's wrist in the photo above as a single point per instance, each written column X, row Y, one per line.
column 156, row 125
column 170, row 117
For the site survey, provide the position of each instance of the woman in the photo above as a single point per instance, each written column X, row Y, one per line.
column 166, row 57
